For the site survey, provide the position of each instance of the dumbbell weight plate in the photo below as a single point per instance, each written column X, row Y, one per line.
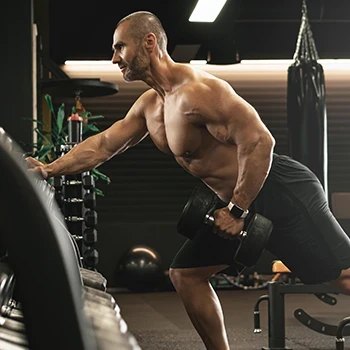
column 90, row 236
column 13, row 337
column 105, row 318
column 88, row 182
column 253, row 244
column 12, row 325
column 12, row 313
column 90, row 218
column 59, row 198
column 58, row 183
column 10, row 346
column 98, row 295
column 197, row 207
column 98, row 300
column 90, row 257
column 93, row 279
column 90, row 200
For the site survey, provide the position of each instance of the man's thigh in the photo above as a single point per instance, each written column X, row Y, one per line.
column 207, row 249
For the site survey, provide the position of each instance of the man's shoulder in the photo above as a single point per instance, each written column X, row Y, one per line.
column 147, row 103
column 148, row 95
column 202, row 88
column 146, row 98
column 205, row 82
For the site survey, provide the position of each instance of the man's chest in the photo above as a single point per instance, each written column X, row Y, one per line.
column 172, row 130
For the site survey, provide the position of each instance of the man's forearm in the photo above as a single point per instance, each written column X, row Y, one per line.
column 85, row 156
column 253, row 168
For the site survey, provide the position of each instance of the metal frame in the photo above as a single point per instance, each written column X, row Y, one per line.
column 276, row 308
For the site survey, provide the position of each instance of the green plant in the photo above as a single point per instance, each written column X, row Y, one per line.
column 48, row 141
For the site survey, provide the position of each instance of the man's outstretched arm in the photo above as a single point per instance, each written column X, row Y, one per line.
column 99, row 148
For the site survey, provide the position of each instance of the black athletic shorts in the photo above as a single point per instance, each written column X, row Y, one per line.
column 306, row 236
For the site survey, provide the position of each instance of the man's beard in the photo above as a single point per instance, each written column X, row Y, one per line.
column 136, row 70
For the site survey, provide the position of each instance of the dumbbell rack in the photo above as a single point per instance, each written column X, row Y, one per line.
column 76, row 198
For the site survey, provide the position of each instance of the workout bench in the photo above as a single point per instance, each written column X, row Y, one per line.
column 276, row 309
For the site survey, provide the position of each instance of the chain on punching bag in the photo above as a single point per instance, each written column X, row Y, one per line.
column 306, row 105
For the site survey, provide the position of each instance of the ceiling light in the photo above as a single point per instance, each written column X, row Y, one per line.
column 88, row 63
column 195, row 62
column 206, row 10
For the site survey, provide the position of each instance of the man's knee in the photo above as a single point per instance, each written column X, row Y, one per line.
column 185, row 277
column 182, row 277
column 343, row 282
column 343, row 286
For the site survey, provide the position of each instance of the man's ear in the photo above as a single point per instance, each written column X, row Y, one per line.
column 150, row 42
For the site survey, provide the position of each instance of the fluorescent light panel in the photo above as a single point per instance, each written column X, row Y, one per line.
column 329, row 64
column 206, row 10
column 88, row 63
column 341, row 65
column 243, row 62
column 198, row 62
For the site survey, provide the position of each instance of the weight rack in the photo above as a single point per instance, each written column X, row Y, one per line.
column 76, row 197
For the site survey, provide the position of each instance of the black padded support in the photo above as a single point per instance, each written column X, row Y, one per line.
column 46, row 270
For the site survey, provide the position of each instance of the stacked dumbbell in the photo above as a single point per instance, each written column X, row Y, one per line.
column 75, row 195
column 59, row 196
column 89, row 251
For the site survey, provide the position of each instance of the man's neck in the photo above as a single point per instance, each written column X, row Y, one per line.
column 161, row 76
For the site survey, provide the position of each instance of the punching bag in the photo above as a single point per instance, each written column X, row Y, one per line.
column 306, row 106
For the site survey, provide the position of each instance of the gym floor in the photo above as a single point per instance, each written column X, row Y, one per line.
column 159, row 321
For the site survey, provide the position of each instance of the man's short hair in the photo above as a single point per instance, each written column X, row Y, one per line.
column 142, row 23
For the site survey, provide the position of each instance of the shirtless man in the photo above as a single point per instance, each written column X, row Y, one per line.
column 218, row 137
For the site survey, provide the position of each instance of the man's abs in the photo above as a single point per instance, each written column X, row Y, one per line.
column 216, row 167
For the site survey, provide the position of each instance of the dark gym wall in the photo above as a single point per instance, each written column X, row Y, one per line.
column 17, row 68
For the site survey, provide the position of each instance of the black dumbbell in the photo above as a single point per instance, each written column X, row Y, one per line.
column 90, row 218
column 197, row 212
column 90, row 257
column 58, row 183
column 90, row 236
column 90, row 200
column 59, row 198
column 88, row 182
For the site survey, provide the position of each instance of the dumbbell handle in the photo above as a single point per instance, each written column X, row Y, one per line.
column 209, row 220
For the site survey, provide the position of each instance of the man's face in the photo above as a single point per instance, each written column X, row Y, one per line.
column 131, row 57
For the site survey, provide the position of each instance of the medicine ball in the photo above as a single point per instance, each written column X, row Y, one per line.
column 141, row 269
